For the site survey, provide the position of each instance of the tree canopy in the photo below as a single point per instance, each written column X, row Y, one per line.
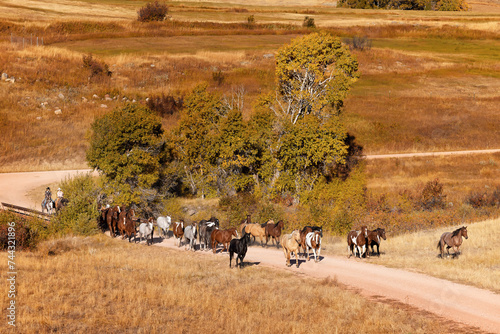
column 313, row 75
column 128, row 149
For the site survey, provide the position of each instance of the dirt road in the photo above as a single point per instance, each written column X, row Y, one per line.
column 462, row 304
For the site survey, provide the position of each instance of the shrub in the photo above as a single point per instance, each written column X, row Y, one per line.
column 358, row 43
column 218, row 77
column 153, row 11
column 432, row 196
column 79, row 217
column 95, row 67
column 308, row 22
column 28, row 231
column 251, row 20
column 165, row 104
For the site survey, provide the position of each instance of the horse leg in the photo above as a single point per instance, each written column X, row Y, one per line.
column 297, row 257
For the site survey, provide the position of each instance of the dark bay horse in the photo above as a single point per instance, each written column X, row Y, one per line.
column 205, row 229
column 60, row 203
column 240, row 247
column 452, row 239
column 222, row 237
column 374, row 239
column 273, row 231
column 357, row 242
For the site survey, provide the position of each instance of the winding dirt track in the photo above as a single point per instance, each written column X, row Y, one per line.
column 459, row 303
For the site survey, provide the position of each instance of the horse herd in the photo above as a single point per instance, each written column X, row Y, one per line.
column 121, row 220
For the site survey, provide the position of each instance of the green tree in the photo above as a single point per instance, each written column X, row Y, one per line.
column 128, row 149
column 196, row 138
column 313, row 75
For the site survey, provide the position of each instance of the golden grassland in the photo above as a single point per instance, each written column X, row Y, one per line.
column 477, row 264
column 77, row 284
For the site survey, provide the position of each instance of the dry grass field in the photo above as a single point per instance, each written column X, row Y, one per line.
column 80, row 285
column 477, row 265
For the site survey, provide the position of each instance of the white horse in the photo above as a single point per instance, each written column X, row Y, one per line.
column 48, row 205
column 190, row 235
column 146, row 230
column 163, row 224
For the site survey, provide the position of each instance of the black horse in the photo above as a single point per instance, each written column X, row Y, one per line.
column 239, row 246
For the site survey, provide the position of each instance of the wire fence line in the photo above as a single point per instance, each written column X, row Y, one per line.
column 25, row 41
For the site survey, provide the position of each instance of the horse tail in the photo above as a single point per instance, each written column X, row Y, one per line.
column 439, row 244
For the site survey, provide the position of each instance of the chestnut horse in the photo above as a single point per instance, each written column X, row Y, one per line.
column 178, row 229
column 256, row 231
column 374, row 239
column 273, row 231
column 452, row 239
column 112, row 219
column 222, row 237
column 126, row 223
column 357, row 242
column 291, row 244
column 313, row 241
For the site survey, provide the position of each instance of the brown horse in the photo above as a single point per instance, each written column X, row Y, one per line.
column 291, row 244
column 452, row 239
column 222, row 237
column 357, row 242
column 374, row 239
column 256, row 231
column 178, row 229
column 60, row 203
column 112, row 219
column 126, row 223
column 274, row 231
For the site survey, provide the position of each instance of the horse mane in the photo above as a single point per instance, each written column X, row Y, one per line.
column 455, row 233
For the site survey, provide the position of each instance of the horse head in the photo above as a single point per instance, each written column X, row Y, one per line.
column 464, row 232
column 281, row 224
column 364, row 230
column 296, row 236
column 381, row 233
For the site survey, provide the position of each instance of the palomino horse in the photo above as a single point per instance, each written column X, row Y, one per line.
column 178, row 229
column 126, row 223
column 273, row 230
column 240, row 247
column 374, row 239
column 313, row 241
column 206, row 227
column 256, row 231
column 190, row 236
column 357, row 242
column 244, row 222
column 291, row 244
column 222, row 237
column 452, row 239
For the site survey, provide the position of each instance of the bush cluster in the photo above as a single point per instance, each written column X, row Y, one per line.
column 153, row 11
column 358, row 43
column 484, row 199
column 28, row 231
column 96, row 68
column 165, row 104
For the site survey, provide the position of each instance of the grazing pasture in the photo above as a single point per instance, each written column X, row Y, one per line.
column 80, row 293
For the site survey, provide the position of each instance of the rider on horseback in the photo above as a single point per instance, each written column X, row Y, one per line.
column 48, row 197
column 59, row 193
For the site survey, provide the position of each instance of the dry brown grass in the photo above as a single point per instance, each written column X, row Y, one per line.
column 103, row 285
column 477, row 265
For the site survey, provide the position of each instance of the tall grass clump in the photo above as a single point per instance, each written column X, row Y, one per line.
column 80, row 216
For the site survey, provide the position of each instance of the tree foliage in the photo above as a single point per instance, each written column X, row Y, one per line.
column 441, row 5
column 313, row 75
column 128, row 149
